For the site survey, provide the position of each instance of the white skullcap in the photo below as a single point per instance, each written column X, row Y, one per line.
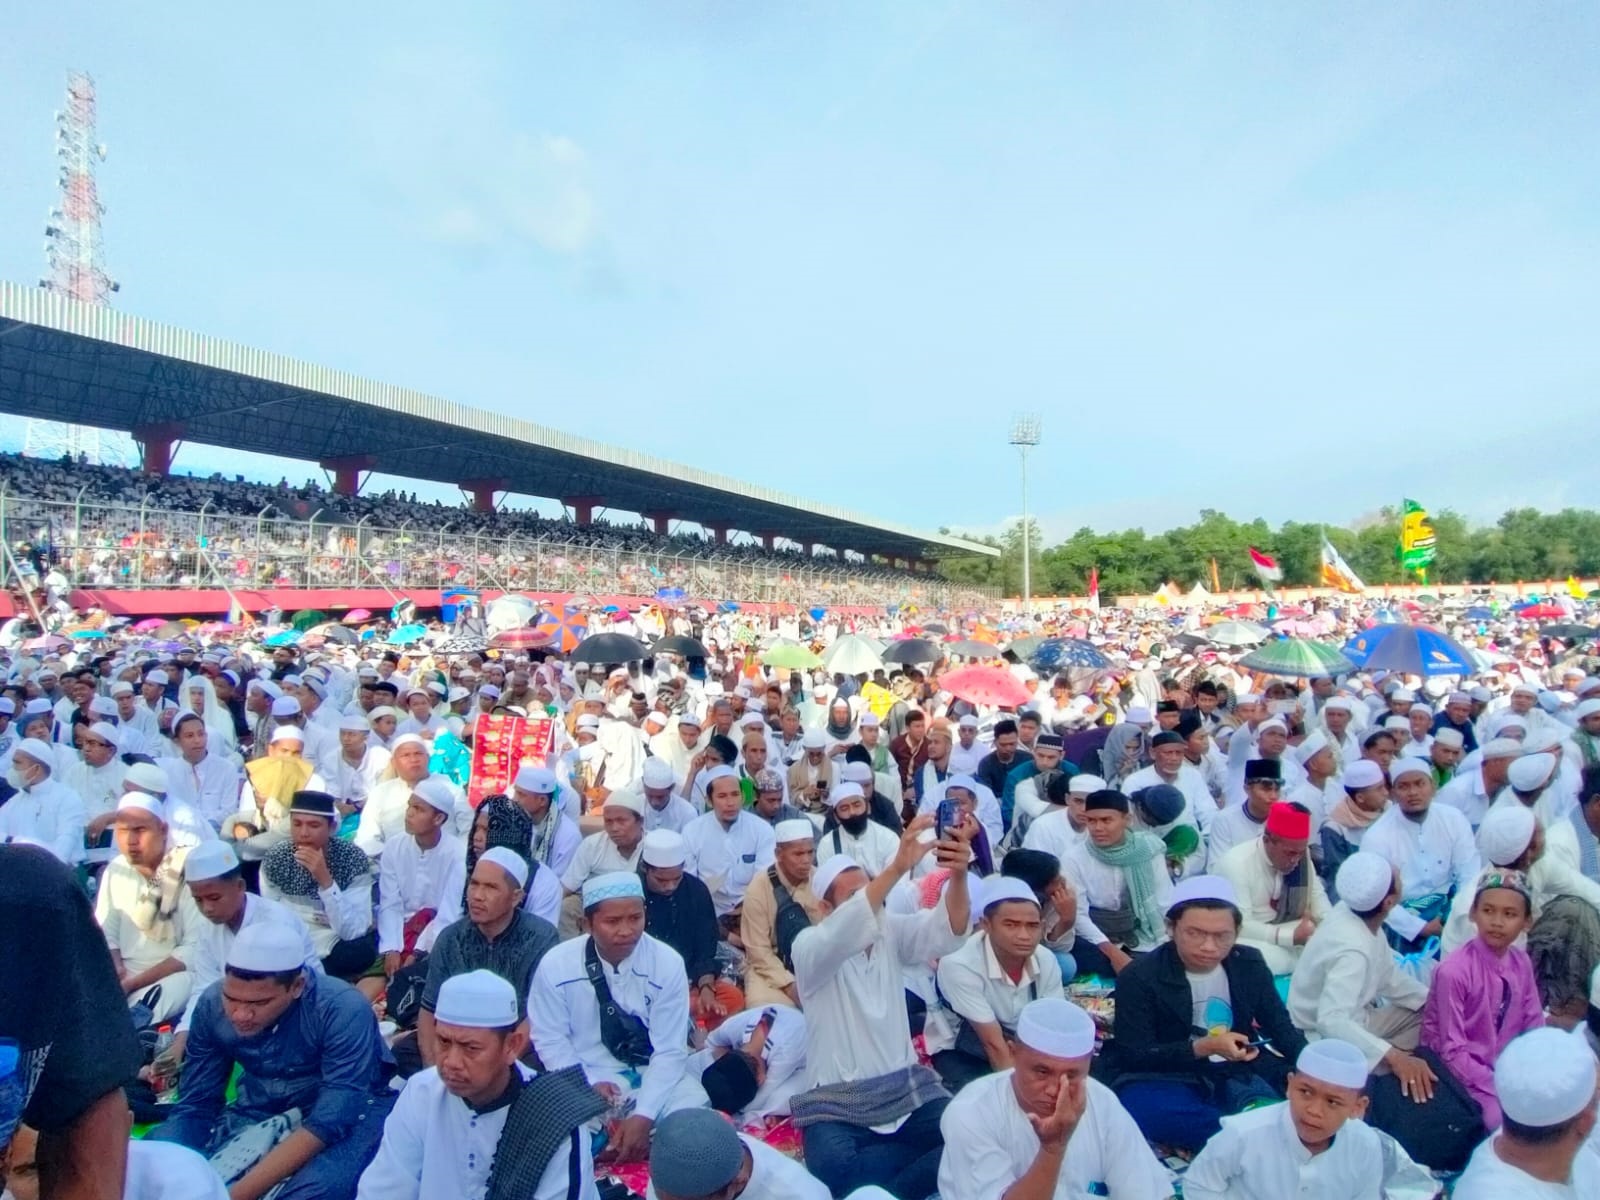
column 1500, row 748
column 434, row 791
column 1530, row 772
column 143, row 802
column 267, row 946
column 457, row 694
column 209, row 860
column 1056, row 1027
column 1458, row 698
column 1481, row 694
column 613, row 885
column 434, row 686
column 408, row 739
column 1590, row 684
column 478, row 1000
column 1202, row 887
column 752, row 720
column 157, row 676
column 1083, row 785
column 122, row 688
column 657, row 773
column 1334, row 1061
column 384, row 710
column 1527, row 689
column 843, row 792
column 689, row 719
column 1364, row 880
column 1249, row 698
column 968, row 721
column 1541, row 740
column 286, row 706
column 509, row 861
column 632, row 801
column 997, row 889
column 1277, row 723
column 1397, row 723
column 289, row 733
column 856, row 772
column 489, row 692
column 354, row 723
column 1410, row 766
column 1140, row 714
column 1308, row 749
column 531, row 777
column 1544, row 1077
column 1450, row 738
column 1587, row 708
column 1341, row 703
column 39, row 751
column 106, row 732
column 814, row 739
column 1363, row 773
column 1403, row 695
column 1505, row 721
column 798, row 829
column 869, row 720
column 824, row 877
column 147, row 776
column 663, row 848
column 1505, row 834
column 720, row 771
column 588, row 723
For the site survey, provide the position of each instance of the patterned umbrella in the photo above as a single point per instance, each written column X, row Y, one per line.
column 525, row 637
column 462, row 644
column 1414, row 649
column 1297, row 657
column 1054, row 654
column 563, row 633
column 985, row 685
column 1238, row 633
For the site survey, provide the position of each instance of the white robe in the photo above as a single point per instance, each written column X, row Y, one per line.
column 411, row 879
column 726, row 859
column 1432, row 856
column 383, row 817
column 50, row 815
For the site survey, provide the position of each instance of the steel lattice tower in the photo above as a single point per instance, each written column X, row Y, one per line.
column 75, row 252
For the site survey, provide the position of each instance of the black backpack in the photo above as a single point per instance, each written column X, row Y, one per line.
column 790, row 921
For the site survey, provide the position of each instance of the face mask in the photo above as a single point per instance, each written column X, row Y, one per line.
column 16, row 779
column 857, row 825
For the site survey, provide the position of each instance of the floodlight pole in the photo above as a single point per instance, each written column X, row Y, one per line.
column 1024, row 436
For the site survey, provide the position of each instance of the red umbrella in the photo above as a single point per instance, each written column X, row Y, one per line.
column 1541, row 612
column 985, row 685
column 524, row 638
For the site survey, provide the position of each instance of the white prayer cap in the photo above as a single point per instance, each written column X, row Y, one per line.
column 384, row 710
column 1450, row 738
column 531, row 777
column 1273, row 723
column 1308, row 749
column 157, row 676
column 457, row 694
column 655, row 717
column 613, row 885
column 1526, row 689
column 408, row 739
column 122, row 688
column 632, row 801
column 37, row 707
column 1140, row 714
column 286, row 706
column 354, row 723
column 478, row 1000
column 588, row 723
column 1458, row 698
column 1409, row 766
column 1397, row 723
column 1083, row 785
column 1364, row 880
column 663, row 848
column 824, row 877
column 209, row 860
column 1363, row 773
column 814, row 739
column 997, row 889
column 689, row 719
column 798, row 829
column 1419, row 708
column 1590, row 684
column 143, row 802
column 106, row 732
column 1333, row 1061
column 1342, row 703
column 869, row 720
column 38, row 751
column 509, row 861
column 1530, row 772
column 147, row 777
column 752, row 720
column 657, row 773
column 289, row 733
column 1586, row 709
column 1500, row 748
column 1541, row 741
column 1481, row 694
column 843, row 792
column 968, row 721
column 856, row 772
column 436, row 792
column 1544, row 1077
column 8, row 706
column 1503, row 721
column 1403, row 695
column 1505, row 833
column 1202, row 887
column 720, row 771
column 1249, row 698
column 435, row 687
column 1056, row 1027
column 267, row 946
column 489, row 692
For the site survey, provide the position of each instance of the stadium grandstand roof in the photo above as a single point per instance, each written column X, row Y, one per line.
column 61, row 360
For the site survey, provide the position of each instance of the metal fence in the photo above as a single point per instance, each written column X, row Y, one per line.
column 110, row 546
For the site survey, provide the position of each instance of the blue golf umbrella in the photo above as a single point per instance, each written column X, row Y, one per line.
column 728, row 606
column 1479, row 613
column 1414, row 649
column 407, row 634
column 817, row 613
column 287, row 638
column 669, row 593
column 1056, row 653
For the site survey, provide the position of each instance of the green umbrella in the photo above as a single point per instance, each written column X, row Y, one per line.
column 789, row 656
column 306, row 618
column 1297, row 656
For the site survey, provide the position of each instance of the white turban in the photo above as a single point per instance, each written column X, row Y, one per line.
column 1506, row 833
column 1364, row 880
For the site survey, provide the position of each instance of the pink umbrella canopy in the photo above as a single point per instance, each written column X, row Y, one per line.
column 985, row 685
column 148, row 624
column 356, row 616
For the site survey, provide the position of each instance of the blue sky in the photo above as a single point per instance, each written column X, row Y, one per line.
column 1285, row 260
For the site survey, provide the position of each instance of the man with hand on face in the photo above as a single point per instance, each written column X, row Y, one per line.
column 327, row 883
column 1044, row 1129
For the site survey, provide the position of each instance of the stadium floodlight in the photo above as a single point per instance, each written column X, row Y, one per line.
column 1025, row 436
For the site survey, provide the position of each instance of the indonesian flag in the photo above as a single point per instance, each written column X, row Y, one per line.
column 1266, row 566
column 1094, row 588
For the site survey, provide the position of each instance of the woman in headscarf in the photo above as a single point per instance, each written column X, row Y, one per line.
column 1123, row 754
column 200, row 698
column 841, row 723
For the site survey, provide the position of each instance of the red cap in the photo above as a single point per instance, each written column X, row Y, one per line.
column 1291, row 821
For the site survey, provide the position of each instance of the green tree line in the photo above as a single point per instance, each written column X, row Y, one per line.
column 1524, row 544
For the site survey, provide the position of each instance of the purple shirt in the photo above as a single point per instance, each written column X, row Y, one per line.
column 1478, row 1001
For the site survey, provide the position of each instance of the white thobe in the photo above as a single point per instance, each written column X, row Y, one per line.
column 1318, row 800
column 1259, row 1156
column 674, row 815
column 1053, row 833
column 964, row 760
column 653, row 985
column 383, row 817
column 436, row 1148
column 168, row 1171
column 120, row 891
column 597, row 854
column 563, row 846
column 210, row 947
column 989, row 1145
column 411, row 879
column 1432, row 855
column 1230, row 827
column 784, row 1053
column 49, row 814
column 872, row 851
column 353, row 782
column 1489, row 1177
column 727, row 858
column 211, row 786
column 98, row 787
column 334, row 914
column 1102, row 886
column 1467, row 795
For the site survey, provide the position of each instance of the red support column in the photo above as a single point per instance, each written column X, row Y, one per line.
column 347, row 479
column 157, row 444
column 482, row 492
column 769, row 539
column 583, row 507
column 719, row 532
column 661, row 521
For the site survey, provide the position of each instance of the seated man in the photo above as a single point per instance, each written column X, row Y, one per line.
column 327, row 883
column 614, row 848
column 1430, row 846
column 615, row 1001
column 262, row 821
column 665, row 809
column 991, row 978
column 1120, row 877
column 1044, row 1128
column 555, row 837
column 777, row 906
column 753, row 1063
column 480, row 1119
column 1243, row 822
column 870, row 1112
column 1192, row 1019
column 314, row 1085
column 871, row 845
column 420, row 877
column 1279, row 892
column 42, row 810
column 679, row 912
column 1316, row 1146
column 697, row 1155
column 150, row 922
column 726, row 847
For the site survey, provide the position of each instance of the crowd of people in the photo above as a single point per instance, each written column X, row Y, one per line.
column 84, row 519
column 741, row 931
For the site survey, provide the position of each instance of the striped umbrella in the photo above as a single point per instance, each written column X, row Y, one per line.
column 524, row 637
column 1297, row 657
column 563, row 633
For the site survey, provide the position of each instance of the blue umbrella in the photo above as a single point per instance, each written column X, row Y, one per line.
column 87, row 635
column 669, row 593
column 1055, row 653
column 817, row 613
column 728, row 606
column 1479, row 613
column 1414, row 649
column 407, row 634
column 287, row 638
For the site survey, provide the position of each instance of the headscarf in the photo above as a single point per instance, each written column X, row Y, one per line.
column 1118, row 742
column 219, row 723
column 508, row 825
column 840, row 732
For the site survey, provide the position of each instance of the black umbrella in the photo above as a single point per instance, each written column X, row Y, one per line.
column 338, row 633
column 971, row 649
column 938, row 627
column 606, row 648
column 686, row 647
column 1568, row 632
column 912, row 650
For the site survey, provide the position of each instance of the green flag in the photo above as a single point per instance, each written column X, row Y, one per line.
column 1416, row 538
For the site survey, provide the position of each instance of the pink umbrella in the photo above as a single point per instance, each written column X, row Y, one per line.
column 356, row 616
column 148, row 624
column 985, row 685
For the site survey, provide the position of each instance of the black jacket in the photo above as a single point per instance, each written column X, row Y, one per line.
column 1153, row 1025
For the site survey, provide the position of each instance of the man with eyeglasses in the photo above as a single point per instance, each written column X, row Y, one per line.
column 1263, row 786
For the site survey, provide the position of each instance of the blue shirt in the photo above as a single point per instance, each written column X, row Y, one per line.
column 324, row 1056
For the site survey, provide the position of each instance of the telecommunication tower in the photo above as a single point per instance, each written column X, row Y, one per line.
column 74, row 250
